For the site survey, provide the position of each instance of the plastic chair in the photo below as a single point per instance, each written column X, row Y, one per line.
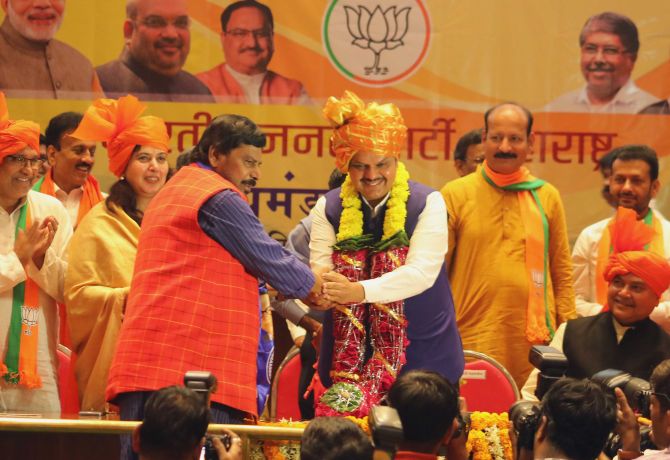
column 284, row 392
column 67, row 385
column 486, row 385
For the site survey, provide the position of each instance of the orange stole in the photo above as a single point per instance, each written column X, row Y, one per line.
column 192, row 306
column 604, row 249
column 92, row 196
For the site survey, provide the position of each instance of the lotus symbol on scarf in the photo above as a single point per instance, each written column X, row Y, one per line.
column 377, row 31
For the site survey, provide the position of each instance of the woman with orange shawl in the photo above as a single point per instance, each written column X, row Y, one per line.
column 103, row 252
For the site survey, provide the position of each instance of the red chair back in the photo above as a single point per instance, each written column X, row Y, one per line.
column 486, row 385
column 67, row 385
column 284, row 397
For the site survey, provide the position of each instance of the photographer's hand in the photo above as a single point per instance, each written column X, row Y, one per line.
column 235, row 452
column 627, row 427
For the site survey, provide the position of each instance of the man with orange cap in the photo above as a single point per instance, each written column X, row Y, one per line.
column 384, row 238
column 34, row 231
column 622, row 337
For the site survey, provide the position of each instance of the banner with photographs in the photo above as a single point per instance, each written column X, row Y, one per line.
column 591, row 86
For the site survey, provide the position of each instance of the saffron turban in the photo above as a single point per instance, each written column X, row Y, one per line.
column 376, row 128
column 16, row 135
column 118, row 123
column 629, row 237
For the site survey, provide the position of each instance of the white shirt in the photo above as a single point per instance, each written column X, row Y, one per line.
column 629, row 99
column 425, row 257
column 528, row 390
column 50, row 281
column 584, row 260
column 251, row 85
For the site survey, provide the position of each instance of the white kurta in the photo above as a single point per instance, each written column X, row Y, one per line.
column 50, row 281
column 584, row 259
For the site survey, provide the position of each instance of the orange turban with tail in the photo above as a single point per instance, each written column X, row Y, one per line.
column 120, row 126
column 16, row 135
column 629, row 237
column 376, row 128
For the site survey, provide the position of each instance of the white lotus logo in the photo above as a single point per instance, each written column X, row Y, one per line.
column 377, row 31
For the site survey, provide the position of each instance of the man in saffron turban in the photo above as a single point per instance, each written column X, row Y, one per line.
column 384, row 238
column 35, row 229
column 623, row 336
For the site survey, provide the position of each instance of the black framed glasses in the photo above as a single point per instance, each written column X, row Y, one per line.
column 21, row 161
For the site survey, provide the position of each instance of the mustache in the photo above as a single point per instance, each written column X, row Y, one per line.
column 599, row 67
column 86, row 165
column 504, row 155
column 249, row 182
column 169, row 41
column 255, row 49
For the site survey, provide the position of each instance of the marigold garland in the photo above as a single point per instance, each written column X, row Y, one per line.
column 489, row 437
column 351, row 220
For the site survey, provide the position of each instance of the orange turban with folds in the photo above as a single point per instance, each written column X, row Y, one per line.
column 16, row 135
column 120, row 126
column 376, row 128
column 629, row 237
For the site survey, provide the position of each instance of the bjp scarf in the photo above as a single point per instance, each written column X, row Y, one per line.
column 655, row 245
column 629, row 238
column 539, row 323
column 92, row 194
column 376, row 128
column 20, row 364
column 118, row 123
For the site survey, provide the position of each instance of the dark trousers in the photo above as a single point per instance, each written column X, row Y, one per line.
column 132, row 404
column 307, row 360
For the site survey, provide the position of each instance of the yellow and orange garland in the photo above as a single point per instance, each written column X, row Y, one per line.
column 489, row 437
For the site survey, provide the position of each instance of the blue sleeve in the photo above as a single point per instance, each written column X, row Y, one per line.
column 228, row 220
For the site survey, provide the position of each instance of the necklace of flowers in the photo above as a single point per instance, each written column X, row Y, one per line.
column 351, row 220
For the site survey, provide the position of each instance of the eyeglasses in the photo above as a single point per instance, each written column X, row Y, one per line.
column 662, row 395
column 21, row 161
column 244, row 33
column 606, row 50
column 159, row 22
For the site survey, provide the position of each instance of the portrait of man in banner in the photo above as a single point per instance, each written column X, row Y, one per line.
column 157, row 42
column 32, row 62
column 609, row 44
column 247, row 37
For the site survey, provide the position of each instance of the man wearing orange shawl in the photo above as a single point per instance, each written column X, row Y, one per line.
column 102, row 250
column 509, row 258
column 34, row 231
column 69, row 179
column 622, row 337
column 633, row 184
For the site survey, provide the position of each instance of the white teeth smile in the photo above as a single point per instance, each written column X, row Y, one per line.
column 151, row 179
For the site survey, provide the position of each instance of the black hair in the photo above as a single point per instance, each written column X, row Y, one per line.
column 61, row 124
column 613, row 23
column 230, row 9
column 43, row 139
column 660, row 382
column 637, row 152
column 334, row 438
column 175, row 420
column 225, row 133
column 336, row 179
column 472, row 137
column 529, row 116
column 427, row 404
column 580, row 416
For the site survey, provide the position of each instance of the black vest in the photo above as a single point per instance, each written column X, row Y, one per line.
column 590, row 346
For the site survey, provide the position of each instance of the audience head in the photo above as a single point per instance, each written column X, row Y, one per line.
column 605, row 166
column 232, row 145
column 507, row 137
column 174, row 425
column 44, row 159
column 660, row 405
column 428, row 406
column 157, row 34
column 634, row 180
column 469, row 152
column 609, row 44
column 334, row 438
column 35, row 20
column 577, row 418
column 336, row 179
column 71, row 159
column 247, row 30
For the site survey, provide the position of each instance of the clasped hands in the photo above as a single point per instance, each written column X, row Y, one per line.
column 331, row 289
column 34, row 242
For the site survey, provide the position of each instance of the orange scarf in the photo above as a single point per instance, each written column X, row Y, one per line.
column 605, row 249
column 20, row 365
column 90, row 198
column 539, row 323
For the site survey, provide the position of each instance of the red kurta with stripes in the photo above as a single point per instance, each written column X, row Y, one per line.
column 191, row 306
